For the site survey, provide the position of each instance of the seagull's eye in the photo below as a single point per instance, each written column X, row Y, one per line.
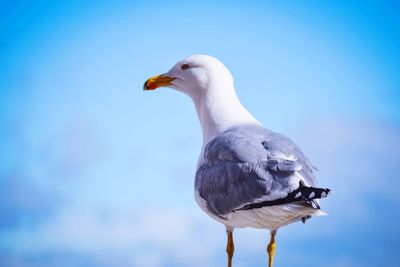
column 185, row 66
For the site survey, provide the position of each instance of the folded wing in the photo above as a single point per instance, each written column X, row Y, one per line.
column 250, row 167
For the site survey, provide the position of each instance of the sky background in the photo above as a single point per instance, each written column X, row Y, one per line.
column 94, row 172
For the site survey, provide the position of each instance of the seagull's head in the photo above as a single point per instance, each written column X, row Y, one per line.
column 194, row 75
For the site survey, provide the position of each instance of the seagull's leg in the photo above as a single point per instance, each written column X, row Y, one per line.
column 230, row 247
column 271, row 248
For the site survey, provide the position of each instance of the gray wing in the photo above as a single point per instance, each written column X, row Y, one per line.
column 248, row 165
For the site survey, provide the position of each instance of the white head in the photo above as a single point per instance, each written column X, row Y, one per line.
column 194, row 75
column 210, row 85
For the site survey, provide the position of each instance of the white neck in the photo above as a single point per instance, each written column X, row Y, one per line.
column 219, row 110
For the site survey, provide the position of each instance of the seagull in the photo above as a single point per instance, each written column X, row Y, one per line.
column 247, row 175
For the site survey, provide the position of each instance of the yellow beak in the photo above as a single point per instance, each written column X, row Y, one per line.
column 157, row 81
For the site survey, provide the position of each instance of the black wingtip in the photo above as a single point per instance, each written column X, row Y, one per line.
column 305, row 218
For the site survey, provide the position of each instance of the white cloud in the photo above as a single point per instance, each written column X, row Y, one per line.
column 356, row 160
column 155, row 235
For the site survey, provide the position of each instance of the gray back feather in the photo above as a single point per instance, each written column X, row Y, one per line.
column 247, row 164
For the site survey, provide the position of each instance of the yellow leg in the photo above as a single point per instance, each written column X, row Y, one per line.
column 271, row 248
column 230, row 248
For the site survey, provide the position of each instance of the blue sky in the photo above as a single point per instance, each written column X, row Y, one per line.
column 96, row 172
